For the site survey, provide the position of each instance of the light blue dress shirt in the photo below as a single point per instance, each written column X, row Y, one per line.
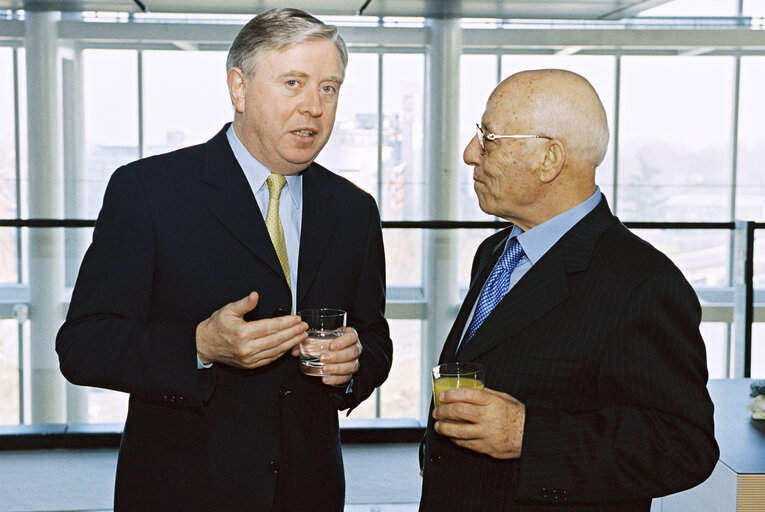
column 290, row 202
column 539, row 239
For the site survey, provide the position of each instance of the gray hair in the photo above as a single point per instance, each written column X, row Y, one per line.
column 276, row 30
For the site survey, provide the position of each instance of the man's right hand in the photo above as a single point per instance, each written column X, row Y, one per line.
column 226, row 337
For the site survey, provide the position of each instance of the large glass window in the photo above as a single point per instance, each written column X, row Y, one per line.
column 9, row 372
column 715, row 335
column 107, row 406
column 8, row 199
column 402, row 166
column 675, row 163
column 675, row 142
column 754, row 8
column 352, row 149
column 9, row 248
column 750, row 183
column 186, row 98
column 402, row 144
column 694, row 8
column 111, row 119
column 399, row 396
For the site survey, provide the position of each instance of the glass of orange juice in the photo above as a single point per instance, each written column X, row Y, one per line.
column 456, row 375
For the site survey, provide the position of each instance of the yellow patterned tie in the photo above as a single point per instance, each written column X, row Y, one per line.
column 275, row 184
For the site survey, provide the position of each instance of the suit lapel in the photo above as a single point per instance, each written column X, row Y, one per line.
column 320, row 217
column 448, row 352
column 227, row 194
column 543, row 287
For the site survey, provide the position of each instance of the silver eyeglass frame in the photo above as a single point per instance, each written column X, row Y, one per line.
column 482, row 137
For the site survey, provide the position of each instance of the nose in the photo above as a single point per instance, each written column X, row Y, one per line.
column 311, row 104
column 472, row 153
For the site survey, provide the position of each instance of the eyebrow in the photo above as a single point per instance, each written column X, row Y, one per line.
column 302, row 74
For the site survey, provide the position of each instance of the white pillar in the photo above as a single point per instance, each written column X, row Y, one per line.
column 442, row 79
column 46, row 246
column 76, row 240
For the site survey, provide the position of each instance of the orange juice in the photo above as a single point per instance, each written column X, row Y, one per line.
column 444, row 383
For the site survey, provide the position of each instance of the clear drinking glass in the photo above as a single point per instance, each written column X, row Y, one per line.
column 456, row 375
column 324, row 325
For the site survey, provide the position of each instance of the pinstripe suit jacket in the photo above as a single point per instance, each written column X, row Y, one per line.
column 600, row 340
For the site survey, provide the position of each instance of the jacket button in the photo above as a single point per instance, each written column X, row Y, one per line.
column 435, row 459
column 280, row 312
column 284, row 392
column 273, row 467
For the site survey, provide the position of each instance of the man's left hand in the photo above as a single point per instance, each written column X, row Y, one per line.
column 341, row 361
column 490, row 422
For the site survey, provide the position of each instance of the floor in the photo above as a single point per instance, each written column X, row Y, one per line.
column 379, row 478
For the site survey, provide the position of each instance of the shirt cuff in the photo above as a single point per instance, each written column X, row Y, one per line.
column 201, row 365
column 348, row 386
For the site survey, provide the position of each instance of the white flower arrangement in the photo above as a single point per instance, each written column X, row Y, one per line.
column 757, row 404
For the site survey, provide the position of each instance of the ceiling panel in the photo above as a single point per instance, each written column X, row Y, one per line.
column 536, row 9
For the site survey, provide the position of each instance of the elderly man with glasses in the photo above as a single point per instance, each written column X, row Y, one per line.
column 595, row 370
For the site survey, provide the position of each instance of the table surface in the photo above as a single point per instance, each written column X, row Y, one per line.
column 741, row 439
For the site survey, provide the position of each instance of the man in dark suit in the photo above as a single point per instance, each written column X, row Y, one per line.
column 184, row 297
column 595, row 394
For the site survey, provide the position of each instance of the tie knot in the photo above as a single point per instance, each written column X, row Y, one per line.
column 275, row 184
column 511, row 256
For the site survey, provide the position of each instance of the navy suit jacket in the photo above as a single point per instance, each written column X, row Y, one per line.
column 600, row 340
column 179, row 236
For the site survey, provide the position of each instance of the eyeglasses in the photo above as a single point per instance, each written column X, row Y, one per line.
column 482, row 138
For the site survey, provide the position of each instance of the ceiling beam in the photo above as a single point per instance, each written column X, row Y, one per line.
column 684, row 39
column 631, row 9
column 499, row 9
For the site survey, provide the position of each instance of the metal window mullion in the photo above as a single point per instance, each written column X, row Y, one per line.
column 617, row 117
column 380, row 139
column 378, row 397
column 139, row 61
column 19, row 267
column 733, row 331
column 743, row 298
column 17, row 149
column 734, row 156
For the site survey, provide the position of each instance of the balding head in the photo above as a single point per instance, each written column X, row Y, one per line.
column 558, row 104
column 530, row 180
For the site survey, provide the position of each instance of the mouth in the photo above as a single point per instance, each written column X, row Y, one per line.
column 304, row 132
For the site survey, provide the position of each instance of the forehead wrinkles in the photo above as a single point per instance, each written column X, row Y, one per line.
column 509, row 110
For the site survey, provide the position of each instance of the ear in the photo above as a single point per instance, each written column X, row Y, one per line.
column 237, row 86
column 552, row 163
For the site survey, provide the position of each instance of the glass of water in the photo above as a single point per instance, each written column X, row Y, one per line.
column 324, row 326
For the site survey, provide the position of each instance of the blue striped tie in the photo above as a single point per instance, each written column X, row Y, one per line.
column 496, row 286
